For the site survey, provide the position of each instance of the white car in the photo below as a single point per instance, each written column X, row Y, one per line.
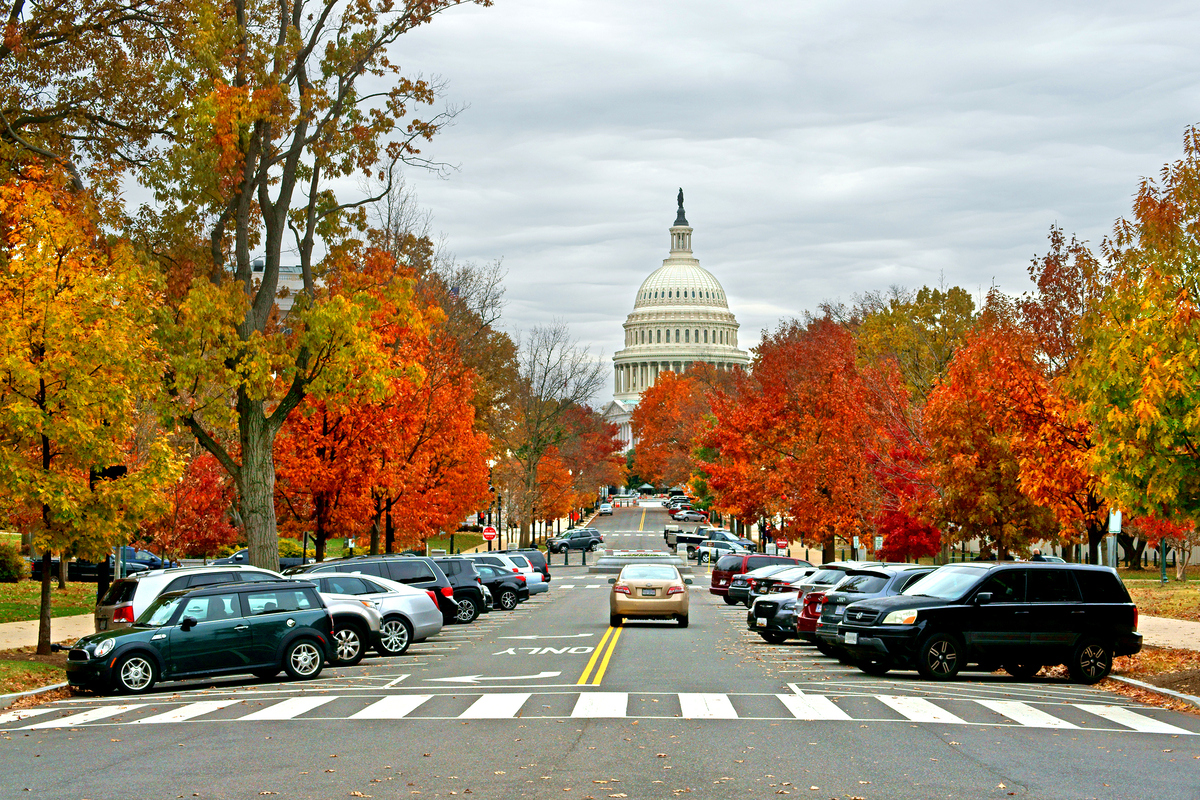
column 605, row 509
column 710, row 551
column 533, row 579
column 128, row 597
column 409, row 614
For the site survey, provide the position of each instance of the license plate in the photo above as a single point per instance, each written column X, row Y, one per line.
column 762, row 622
column 103, row 624
column 851, row 638
column 647, row 593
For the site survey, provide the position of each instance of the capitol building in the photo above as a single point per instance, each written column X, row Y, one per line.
column 680, row 317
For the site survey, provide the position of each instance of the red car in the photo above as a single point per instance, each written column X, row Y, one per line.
column 810, row 613
column 737, row 563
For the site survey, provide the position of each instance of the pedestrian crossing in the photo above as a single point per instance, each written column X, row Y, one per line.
column 562, row 705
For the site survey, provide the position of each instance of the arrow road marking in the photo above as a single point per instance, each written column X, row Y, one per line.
column 564, row 636
column 478, row 678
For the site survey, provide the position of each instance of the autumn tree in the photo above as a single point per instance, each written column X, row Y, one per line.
column 1139, row 379
column 668, row 419
column 592, row 454
column 76, row 356
column 196, row 520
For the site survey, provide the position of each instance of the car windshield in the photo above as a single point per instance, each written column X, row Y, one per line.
column 862, row 584
column 649, row 572
column 947, row 583
column 789, row 574
column 160, row 611
column 826, row 576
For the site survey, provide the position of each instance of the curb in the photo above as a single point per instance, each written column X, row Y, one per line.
column 1149, row 687
column 7, row 700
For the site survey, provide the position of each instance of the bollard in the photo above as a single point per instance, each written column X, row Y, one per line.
column 566, row 556
column 583, row 553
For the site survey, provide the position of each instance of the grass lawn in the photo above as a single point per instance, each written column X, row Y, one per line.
column 21, row 676
column 1173, row 600
column 20, row 601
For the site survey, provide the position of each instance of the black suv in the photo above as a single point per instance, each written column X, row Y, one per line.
column 466, row 583
column 860, row 585
column 578, row 539
column 418, row 571
column 258, row 628
column 1020, row 616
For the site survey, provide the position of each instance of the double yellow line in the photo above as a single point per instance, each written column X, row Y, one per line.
column 612, row 644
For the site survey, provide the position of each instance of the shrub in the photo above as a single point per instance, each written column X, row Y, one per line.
column 290, row 548
column 228, row 549
column 13, row 566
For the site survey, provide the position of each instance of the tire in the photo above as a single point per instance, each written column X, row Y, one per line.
column 1091, row 662
column 266, row 674
column 730, row 601
column 395, row 635
column 135, row 674
column 468, row 610
column 1023, row 671
column 824, row 648
column 614, row 621
column 876, row 668
column 683, row 621
column 691, row 551
column 303, row 660
column 593, row 547
column 508, row 599
column 773, row 638
column 704, row 558
column 350, row 645
column 939, row 657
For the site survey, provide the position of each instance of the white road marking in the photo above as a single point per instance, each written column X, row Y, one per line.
column 1131, row 719
column 495, row 706
column 811, row 706
column 85, row 716
column 288, row 709
column 564, row 586
column 186, row 712
column 396, row 706
column 602, row 705
column 593, row 586
column 390, row 684
column 706, row 705
column 1027, row 715
column 919, row 710
column 17, row 716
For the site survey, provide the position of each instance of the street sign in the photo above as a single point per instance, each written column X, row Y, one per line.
column 781, row 544
column 878, row 542
column 489, row 533
column 855, row 542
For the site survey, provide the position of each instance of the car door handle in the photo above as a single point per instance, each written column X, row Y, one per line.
column 1078, row 612
column 1020, row 612
column 242, row 628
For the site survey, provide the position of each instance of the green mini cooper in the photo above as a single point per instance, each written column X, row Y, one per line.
column 259, row 628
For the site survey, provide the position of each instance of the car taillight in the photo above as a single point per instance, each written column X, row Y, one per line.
column 478, row 579
column 674, row 590
column 447, row 591
column 619, row 589
column 521, row 578
column 516, row 570
column 123, row 614
column 432, row 595
column 1135, row 618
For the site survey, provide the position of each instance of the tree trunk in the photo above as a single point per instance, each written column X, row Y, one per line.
column 389, row 526
column 62, row 570
column 43, row 645
column 1133, row 547
column 375, row 535
column 1096, row 532
column 827, row 552
column 256, row 495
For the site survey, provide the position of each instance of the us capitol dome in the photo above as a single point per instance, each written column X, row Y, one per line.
column 680, row 317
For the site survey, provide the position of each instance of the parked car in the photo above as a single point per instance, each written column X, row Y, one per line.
column 1021, row 615
column 720, row 534
column 830, row 575
column 408, row 614
column 243, row 557
column 648, row 591
column 357, row 628
column 83, row 571
column 737, row 564
column 257, row 628
column 605, row 510
column 418, row 571
column 740, row 585
column 773, row 617
column 465, row 580
column 537, row 559
column 489, row 602
column 689, row 515
column 712, row 549
column 508, row 588
column 127, row 598
column 533, row 578
column 860, row 585
column 578, row 539
column 786, row 580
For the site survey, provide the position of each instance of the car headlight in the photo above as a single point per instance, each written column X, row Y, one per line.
column 105, row 647
column 901, row 617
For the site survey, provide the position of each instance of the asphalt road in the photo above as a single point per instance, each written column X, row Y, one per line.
column 548, row 702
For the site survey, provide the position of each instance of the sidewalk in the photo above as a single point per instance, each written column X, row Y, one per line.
column 65, row 630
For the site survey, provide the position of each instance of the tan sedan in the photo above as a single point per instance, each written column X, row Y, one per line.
column 648, row 591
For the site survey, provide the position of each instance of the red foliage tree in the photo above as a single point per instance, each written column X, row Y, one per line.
column 196, row 521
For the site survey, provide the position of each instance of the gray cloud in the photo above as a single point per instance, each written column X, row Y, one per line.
column 826, row 149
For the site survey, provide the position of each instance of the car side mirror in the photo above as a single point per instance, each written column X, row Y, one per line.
column 612, row 580
column 983, row 598
column 187, row 623
column 688, row 581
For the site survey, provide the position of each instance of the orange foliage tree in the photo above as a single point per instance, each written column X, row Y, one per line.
column 196, row 521
column 668, row 419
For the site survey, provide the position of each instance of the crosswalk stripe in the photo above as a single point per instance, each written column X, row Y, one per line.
column 85, row 716
column 564, row 586
column 1025, row 714
column 1131, row 719
column 918, row 709
column 495, row 706
column 811, row 706
column 288, row 709
column 394, row 707
column 17, row 716
column 187, row 712
column 706, row 705
column 593, row 586
column 602, row 704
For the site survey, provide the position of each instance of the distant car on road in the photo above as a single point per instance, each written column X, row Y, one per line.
column 690, row 516
column 579, row 539
column 605, row 510
column 709, row 551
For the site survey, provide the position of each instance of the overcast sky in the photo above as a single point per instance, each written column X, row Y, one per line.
column 825, row 149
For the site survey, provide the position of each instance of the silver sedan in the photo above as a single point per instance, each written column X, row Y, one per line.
column 409, row 614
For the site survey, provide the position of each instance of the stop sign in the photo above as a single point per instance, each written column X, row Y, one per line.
column 489, row 533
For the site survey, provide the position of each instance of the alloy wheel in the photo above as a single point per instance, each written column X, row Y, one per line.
column 137, row 673
column 508, row 600
column 304, row 659
column 393, row 635
column 349, row 644
column 941, row 657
